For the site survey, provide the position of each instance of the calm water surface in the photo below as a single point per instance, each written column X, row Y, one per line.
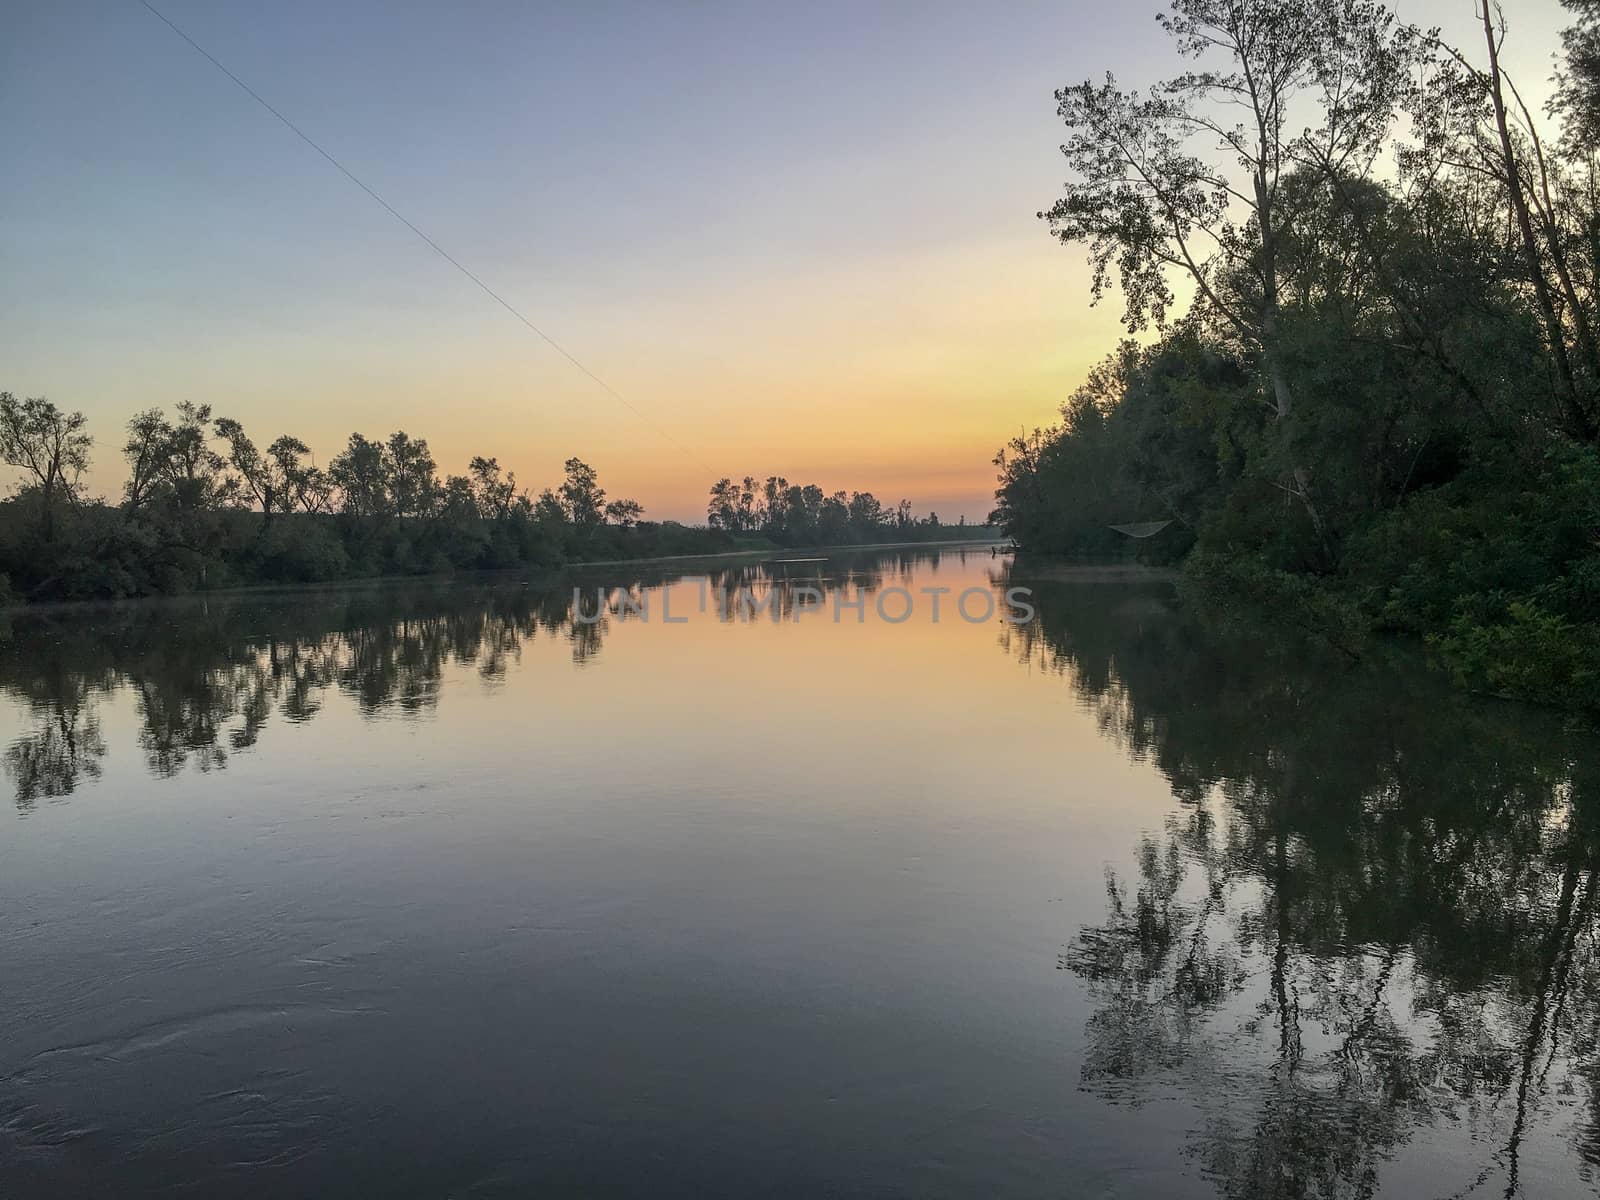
column 436, row 891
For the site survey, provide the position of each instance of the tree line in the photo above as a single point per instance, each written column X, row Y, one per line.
column 803, row 514
column 204, row 506
column 1384, row 395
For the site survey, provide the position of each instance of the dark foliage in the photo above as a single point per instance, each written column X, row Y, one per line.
column 1382, row 406
column 204, row 508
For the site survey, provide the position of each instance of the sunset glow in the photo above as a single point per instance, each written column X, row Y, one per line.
column 800, row 242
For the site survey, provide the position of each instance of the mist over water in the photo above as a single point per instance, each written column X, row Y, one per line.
column 440, row 890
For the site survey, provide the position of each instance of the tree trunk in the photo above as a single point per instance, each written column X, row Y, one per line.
column 1283, row 401
column 47, row 495
column 1577, row 415
column 1282, row 393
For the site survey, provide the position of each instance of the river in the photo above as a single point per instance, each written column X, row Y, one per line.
column 784, row 879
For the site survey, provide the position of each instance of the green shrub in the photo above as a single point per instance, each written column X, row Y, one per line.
column 300, row 550
column 1247, row 590
column 1529, row 654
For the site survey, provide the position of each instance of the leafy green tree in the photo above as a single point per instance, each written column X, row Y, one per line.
column 253, row 470
column 186, row 520
column 624, row 514
column 772, row 505
column 746, row 501
column 360, row 475
column 49, row 446
column 582, row 497
column 1473, row 126
column 1162, row 182
column 548, row 509
column 279, row 481
column 1577, row 99
column 302, row 485
column 803, row 512
column 833, row 520
column 722, row 510
column 196, row 473
column 866, row 513
column 411, row 476
column 495, row 496
column 147, row 450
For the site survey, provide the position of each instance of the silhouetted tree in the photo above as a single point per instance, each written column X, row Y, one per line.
column 147, row 450
column 360, row 474
column 624, row 514
column 582, row 497
column 49, row 446
column 410, row 476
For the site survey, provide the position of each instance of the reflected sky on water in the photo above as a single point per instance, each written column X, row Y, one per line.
column 439, row 890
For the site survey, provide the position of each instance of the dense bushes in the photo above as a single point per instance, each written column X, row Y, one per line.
column 99, row 552
column 204, row 507
column 1489, row 548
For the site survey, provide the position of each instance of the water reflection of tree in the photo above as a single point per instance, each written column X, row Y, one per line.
column 1372, row 913
column 209, row 675
column 64, row 745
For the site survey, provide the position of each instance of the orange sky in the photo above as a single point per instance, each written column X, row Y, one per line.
column 798, row 241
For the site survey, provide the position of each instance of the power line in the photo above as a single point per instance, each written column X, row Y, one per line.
column 433, row 245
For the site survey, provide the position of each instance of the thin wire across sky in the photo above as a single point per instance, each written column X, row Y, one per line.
column 428, row 241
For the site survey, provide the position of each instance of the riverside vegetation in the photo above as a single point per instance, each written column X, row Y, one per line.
column 1378, row 406
column 205, row 507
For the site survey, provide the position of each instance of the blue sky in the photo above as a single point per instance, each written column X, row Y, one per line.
column 799, row 238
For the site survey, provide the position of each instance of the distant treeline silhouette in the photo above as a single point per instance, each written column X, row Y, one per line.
column 802, row 514
column 205, row 507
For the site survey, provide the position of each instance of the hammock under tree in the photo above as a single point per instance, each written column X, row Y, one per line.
column 1142, row 529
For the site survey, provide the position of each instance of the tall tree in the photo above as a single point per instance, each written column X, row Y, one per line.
column 581, row 494
column 49, row 446
column 722, row 509
column 1166, row 182
column 197, row 473
column 624, row 513
column 548, row 510
column 772, row 506
column 302, row 484
column 360, row 474
column 147, row 449
column 279, row 481
column 495, row 495
column 254, row 471
column 866, row 512
column 1472, row 122
column 1577, row 97
column 412, row 476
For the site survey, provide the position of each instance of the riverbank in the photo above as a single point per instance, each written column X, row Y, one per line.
column 96, row 551
column 1508, row 650
column 824, row 551
column 540, row 574
column 1527, row 656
